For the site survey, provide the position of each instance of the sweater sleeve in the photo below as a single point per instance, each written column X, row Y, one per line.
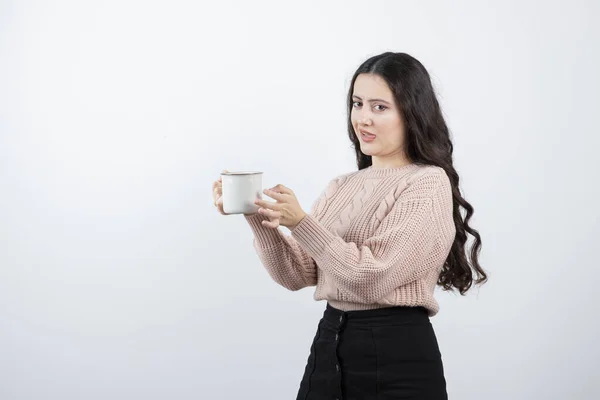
column 285, row 260
column 413, row 238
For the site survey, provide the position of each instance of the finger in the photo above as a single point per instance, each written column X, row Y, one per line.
column 221, row 176
column 270, row 224
column 283, row 189
column 269, row 213
column 217, row 189
column 220, row 206
column 274, row 194
column 268, row 204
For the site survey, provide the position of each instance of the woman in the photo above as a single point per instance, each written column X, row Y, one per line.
column 376, row 242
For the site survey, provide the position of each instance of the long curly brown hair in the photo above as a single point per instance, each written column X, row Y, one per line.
column 427, row 142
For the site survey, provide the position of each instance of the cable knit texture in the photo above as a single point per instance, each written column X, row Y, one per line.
column 374, row 238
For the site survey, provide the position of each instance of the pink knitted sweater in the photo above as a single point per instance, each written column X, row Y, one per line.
column 374, row 238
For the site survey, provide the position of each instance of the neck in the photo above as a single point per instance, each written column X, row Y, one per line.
column 398, row 162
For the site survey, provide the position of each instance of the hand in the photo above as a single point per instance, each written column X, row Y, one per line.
column 218, row 194
column 286, row 211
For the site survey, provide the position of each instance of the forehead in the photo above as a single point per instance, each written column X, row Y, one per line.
column 371, row 86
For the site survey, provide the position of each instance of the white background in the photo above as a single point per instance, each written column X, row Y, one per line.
column 119, row 279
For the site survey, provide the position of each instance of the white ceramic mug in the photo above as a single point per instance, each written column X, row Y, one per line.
column 240, row 189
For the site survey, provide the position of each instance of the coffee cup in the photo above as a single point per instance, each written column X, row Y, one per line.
column 240, row 190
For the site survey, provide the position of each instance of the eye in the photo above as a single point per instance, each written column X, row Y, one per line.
column 378, row 105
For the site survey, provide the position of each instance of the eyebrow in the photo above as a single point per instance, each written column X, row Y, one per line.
column 372, row 100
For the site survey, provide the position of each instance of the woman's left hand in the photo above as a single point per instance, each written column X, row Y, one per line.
column 286, row 211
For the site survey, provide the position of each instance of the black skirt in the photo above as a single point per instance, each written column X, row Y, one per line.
column 386, row 353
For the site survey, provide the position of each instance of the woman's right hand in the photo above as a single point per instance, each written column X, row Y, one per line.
column 218, row 194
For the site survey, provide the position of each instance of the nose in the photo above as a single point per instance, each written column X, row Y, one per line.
column 364, row 121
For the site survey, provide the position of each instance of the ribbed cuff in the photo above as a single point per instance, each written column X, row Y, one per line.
column 266, row 237
column 312, row 236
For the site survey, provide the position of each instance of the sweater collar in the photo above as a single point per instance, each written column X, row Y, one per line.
column 371, row 172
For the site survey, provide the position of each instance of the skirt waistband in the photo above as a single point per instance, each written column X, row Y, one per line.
column 377, row 317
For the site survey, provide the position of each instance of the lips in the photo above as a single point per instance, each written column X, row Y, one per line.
column 366, row 135
column 365, row 132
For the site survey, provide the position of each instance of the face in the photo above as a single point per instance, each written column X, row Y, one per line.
column 375, row 111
